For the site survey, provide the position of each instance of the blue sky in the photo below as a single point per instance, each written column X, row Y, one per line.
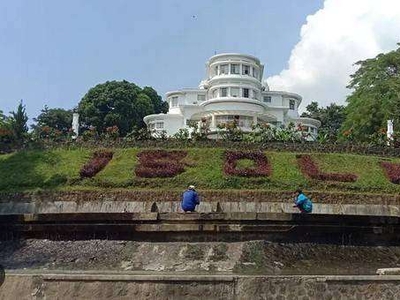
column 52, row 52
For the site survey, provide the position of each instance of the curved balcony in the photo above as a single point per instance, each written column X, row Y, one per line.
column 240, row 103
column 232, row 78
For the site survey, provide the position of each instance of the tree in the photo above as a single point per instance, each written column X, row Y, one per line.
column 119, row 103
column 331, row 118
column 376, row 96
column 159, row 105
column 3, row 119
column 18, row 121
column 6, row 133
column 55, row 118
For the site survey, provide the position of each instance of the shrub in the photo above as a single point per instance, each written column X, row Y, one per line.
column 262, row 167
column 111, row 132
column 392, row 171
column 230, row 131
column 99, row 160
column 308, row 167
column 160, row 163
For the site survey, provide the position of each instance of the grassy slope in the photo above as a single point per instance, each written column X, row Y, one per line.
column 59, row 169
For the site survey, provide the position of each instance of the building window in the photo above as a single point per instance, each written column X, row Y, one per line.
column 255, row 72
column 201, row 97
column 245, row 93
column 224, row 92
column 174, row 101
column 242, row 121
column 224, row 119
column 267, row 99
column 223, row 69
column 151, row 126
column 255, row 94
column 292, row 104
column 245, row 121
column 216, row 70
column 214, row 93
column 159, row 125
column 234, row 69
column 246, row 70
column 235, row 92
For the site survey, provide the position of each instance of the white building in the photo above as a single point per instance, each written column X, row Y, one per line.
column 233, row 90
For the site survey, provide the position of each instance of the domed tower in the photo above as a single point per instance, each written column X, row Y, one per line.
column 234, row 90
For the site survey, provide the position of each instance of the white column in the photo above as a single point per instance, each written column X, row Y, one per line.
column 75, row 124
column 213, row 121
column 389, row 132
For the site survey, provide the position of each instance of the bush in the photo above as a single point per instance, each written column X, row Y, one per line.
column 310, row 169
column 160, row 163
column 392, row 171
column 262, row 167
column 99, row 160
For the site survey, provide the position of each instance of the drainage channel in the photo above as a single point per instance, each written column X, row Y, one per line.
column 203, row 227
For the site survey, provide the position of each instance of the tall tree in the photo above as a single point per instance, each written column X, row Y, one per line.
column 159, row 105
column 376, row 95
column 3, row 119
column 18, row 122
column 56, row 118
column 331, row 118
column 119, row 103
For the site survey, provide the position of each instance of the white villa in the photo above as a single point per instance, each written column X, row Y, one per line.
column 233, row 90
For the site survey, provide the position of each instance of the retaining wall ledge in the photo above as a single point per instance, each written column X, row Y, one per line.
column 231, row 208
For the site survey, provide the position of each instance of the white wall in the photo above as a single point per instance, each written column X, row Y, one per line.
column 232, row 105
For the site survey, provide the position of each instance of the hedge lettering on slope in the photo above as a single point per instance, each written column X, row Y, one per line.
column 160, row 163
column 262, row 167
column 309, row 167
column 392, row 171
column 97, row 163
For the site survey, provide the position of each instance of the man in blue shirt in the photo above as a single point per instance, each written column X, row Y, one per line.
column 303, row 203
column 190, row 199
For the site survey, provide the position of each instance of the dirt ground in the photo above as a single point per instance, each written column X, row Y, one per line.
column 254, row 257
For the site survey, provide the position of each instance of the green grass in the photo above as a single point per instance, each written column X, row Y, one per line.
column 59, row 169
column 40, row 169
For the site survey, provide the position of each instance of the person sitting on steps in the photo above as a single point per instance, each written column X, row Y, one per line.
column 302, row 202
column 190, row 199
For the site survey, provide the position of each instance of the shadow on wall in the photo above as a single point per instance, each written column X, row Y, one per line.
column 30, row 169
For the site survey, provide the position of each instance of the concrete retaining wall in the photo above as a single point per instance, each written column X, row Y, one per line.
column 170, row 286
column 7, row 208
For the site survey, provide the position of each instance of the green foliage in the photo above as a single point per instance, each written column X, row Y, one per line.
column 3, row 119
column 199, row 130
column 138, row 134
column 264, row 133
column 182, row 134
column 376, row 96
column 159, row 105
column 18, row 121
column 230, row 131
column 245, row 163
column 55, row 118
column 27, row 170
column 6, row 132
column 331, row 118
column 119, row 103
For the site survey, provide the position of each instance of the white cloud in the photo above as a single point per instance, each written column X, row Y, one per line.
column 331, row 41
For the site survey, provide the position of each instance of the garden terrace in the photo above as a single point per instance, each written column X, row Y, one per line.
column 210, row 169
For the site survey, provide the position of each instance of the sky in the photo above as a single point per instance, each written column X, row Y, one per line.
column 53, row 52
